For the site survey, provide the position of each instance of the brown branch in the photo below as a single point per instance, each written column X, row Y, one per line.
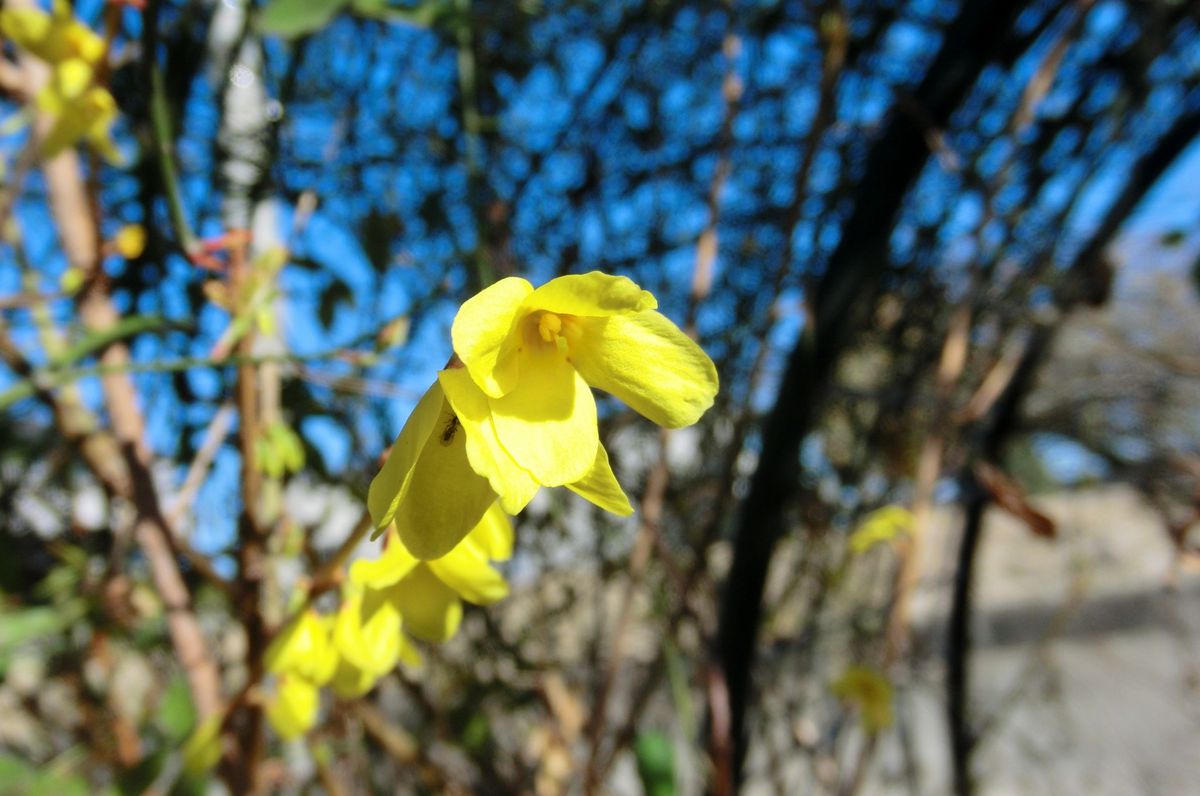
column 648, row 538
column 252, row 540
column 214, row 438
column 643, row 546
column 401, row 745
column 74, row 214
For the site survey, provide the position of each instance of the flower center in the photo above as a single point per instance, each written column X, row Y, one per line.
column 556, row 329
column 549, row 325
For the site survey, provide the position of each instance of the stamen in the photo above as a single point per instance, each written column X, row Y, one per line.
column 549, row 325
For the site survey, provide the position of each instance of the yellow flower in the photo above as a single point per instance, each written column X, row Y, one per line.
column 881, row 525
column 525, row 406
column 429, row 594
column 427, row 481
column 292, row 711
column 130, row 241
column 81, row 111
column 868, row 691
column 367, row 632
column 53, row 38
column 304, row 649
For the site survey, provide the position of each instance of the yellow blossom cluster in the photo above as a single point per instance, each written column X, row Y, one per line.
column 81, row 109
column 512, row 413
column 349, row 651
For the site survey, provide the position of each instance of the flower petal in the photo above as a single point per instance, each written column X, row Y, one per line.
column 494, row 534
column 646, row 361
column 293, row 710
column 600, row 486
column 28, row 28
column 441, row 498
column 53, row 39
column 482, row 326
column 303, row 648
column 389, row 568
column 548, row 423
column 591, row 294
column 466, row 570
column 388, row 484
column 431, row 609
column 512, row 482
column 350, row 682
column 367, row 631
column 410, row 656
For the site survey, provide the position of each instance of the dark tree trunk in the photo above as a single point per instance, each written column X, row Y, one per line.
column 841, row 299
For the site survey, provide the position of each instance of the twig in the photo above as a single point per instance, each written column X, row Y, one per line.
column 50, row 378
column 649, row 539
column 72, row 211
column 852, row 276
column 325, row 774
column 162, row 134
column 399, row 744
column 484, row 272
column 214, row 438
column 643, row 546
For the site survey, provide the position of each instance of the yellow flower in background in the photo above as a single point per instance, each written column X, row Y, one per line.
column 429, row 594
column 880, row 526
column 520, row 414
column 367, row 634
column 81, row 109
column 292, row 711
column 348, row 652
column 130, row 241
column 869, row 692
column 304, row 649
column 54, row 37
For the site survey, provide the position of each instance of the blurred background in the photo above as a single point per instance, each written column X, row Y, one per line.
column 938, row 534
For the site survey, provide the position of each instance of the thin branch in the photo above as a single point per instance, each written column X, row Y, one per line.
column 72, row 210
column 162, row 134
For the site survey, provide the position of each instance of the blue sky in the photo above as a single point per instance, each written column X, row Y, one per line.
column 623, row 128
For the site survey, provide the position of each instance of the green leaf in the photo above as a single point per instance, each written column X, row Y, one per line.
column 870, row 693
column 291, row 449
column 655, row 762
column 176, row 715
column 71, row 280
column 422, row 15
column 266, row 457
column 30, row 624
column 290, row 19
column 121, row 330
column 16, row 773
column 202, row 751
column 18, row 776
